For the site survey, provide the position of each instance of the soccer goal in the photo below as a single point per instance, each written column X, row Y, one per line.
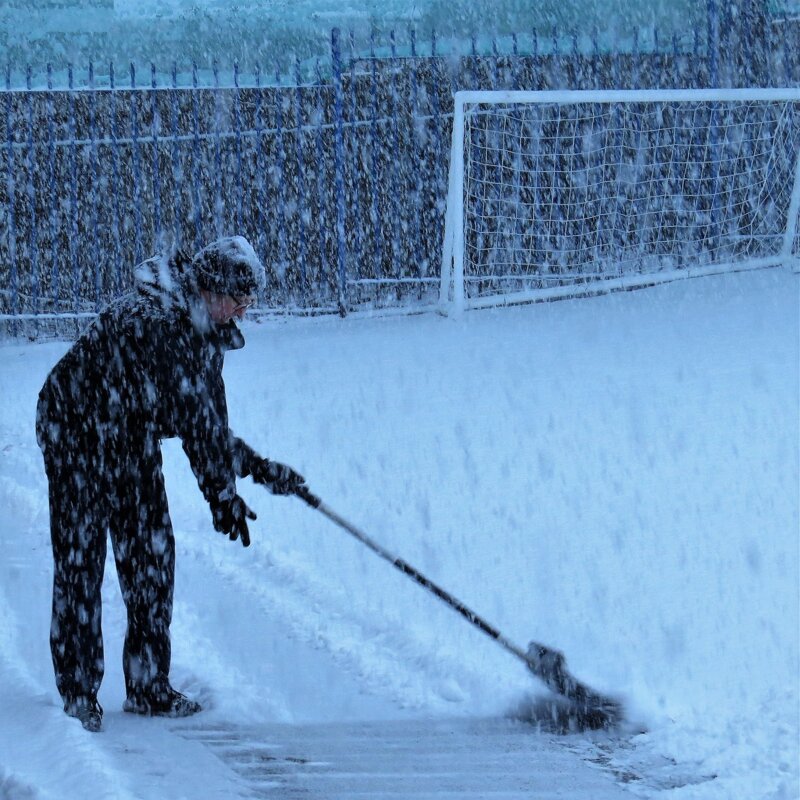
column 565, row 192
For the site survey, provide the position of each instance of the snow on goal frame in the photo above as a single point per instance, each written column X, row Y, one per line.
column 558, row 193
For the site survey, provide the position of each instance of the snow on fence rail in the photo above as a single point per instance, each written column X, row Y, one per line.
column 339, row 181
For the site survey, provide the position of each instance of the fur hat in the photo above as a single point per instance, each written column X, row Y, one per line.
column 229, row 266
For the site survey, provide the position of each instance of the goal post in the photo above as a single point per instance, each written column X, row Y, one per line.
column 558, row 193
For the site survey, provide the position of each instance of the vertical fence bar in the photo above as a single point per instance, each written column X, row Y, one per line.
column 11, row 189
column 33, row 240
column 657, row 59
column 95, row 171
column 303, row 212
column 237, row 128
column 746, row 43
column 697, row 81
column 419, row 264
column 725, row 48
column 577, row 80
column 261, row 194
column 397, row 263
column 322, row 192
column 55, row 276
column 597, row 78
column 177, row 167
column 73, row 198
column 196, row 166
column 375, row 148
column 115, row 184
column 712, row 43
column 556, row 63
column 280, row 183
column 219, row 208
column 339, row 169
column 676, row 57
column 473, row 64
column 515, row 62
column 439, row 167
column 137, row 184
column 355, row 203
column 497, row 82
column 155, row 128
column 787, row 53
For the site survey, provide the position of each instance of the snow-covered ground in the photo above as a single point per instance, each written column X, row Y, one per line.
column 616, row 477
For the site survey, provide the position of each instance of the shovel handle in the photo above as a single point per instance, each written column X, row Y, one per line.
column 307, row 496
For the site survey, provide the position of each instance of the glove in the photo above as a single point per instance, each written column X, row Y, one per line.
column 278, row 478
column 230, row 517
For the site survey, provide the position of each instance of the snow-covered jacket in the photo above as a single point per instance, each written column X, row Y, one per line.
column 148, row 368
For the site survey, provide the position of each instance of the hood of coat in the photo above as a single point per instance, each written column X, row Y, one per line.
column 170, row 283
column 168, row 280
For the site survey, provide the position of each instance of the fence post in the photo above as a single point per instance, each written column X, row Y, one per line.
column 341, row 250
column 73, row 198
column 375, row 215
column 53, row 192
column 154, row 128
column 137, row 204
column 698, row 82
column 11, row 188
column 34, row 225
column 439, row 165
column 237, row 125
column 416, row 122
column 787, row 53
column 261, row 194
column 115, row 178
column 219, row 206
column 301, row 189
column 712, row 44
column 536, row 78
column 395, row 192
column 354, row 185
column 177, row 170
column 197, row 213
column 515, row 62
column 96, row 258
column 322, row 194
column 280, row 186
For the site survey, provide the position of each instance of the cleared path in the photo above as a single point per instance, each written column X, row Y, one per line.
column 406, row 759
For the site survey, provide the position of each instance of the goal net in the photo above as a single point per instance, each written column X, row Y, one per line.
column 558, row 193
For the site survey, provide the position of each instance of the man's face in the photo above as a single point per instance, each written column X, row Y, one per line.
column 222, row 308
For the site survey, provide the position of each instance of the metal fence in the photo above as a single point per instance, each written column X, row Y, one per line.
column 339, row 181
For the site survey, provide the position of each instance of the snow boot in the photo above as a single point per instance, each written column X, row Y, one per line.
column 161, row 703
column 88, row 711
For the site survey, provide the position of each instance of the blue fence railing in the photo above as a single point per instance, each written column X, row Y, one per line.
column 338, row 177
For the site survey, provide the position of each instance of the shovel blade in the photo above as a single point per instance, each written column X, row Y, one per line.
column 592, row 710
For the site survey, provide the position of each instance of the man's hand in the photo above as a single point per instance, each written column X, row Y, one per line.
column 278, row 478
column 230, row 517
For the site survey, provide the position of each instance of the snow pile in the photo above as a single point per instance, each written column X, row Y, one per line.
column 615, row 477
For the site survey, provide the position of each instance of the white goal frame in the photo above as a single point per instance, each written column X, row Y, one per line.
column 453, row 294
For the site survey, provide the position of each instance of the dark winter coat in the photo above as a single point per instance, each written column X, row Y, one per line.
column 148, row 368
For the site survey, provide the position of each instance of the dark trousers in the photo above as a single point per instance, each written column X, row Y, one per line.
column 126, row 498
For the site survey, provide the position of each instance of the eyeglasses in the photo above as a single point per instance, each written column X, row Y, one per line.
column 242, row 303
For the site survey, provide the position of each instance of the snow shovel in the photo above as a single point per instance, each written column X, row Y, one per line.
column 588, row 709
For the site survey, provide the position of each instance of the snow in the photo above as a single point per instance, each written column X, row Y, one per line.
column 616, row 477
